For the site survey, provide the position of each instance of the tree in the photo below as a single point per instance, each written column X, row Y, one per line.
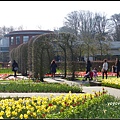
column 67, row 44
column 66, row 29
column 39, row 27
column 71, row 21
column 86, row 30
column 116, row 25
column 88, row 26
column 20, row 28
column 4, row 30
column 101, row 23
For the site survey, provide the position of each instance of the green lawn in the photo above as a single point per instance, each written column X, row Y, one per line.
column 4, row 71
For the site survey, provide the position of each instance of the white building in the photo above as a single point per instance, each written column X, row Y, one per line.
column 115, row 48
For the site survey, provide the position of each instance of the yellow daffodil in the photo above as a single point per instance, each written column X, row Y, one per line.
column 21, row 116
column 25, row 116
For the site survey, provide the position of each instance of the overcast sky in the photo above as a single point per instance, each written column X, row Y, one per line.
column 49, row 14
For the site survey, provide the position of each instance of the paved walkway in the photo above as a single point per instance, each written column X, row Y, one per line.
column 111, row 91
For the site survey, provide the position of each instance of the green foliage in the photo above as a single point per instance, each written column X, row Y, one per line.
column 27, row 86
column 95, row 108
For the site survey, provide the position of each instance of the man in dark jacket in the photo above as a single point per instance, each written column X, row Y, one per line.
column 53, row 67
column 88, row 66
column 117, row 64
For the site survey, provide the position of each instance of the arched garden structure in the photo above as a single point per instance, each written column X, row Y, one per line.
column 36, row 55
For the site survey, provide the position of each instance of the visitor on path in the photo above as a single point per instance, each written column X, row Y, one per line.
column 88, row 66
column 53, row 67
column 88, row 75
column 15, row 67
column 117, row 64
column 95, row 75
column 104, row 69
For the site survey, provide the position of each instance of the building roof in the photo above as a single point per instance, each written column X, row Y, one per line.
column 26, row 32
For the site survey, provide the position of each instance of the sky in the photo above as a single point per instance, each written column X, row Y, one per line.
column 49, row 15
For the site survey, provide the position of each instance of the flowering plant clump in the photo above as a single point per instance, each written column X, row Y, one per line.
column 44, row 107
column 111, row 82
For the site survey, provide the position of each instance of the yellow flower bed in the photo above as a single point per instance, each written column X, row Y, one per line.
column 39, row 107
column 115, row 81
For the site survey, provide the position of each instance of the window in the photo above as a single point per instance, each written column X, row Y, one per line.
column 25, row 39
column 4, row 42
column 12, row 40
column 17, row 40
column 33, row 36
column 4, row 49
column 1, row 42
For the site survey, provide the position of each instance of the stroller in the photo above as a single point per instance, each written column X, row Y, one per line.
column 89, row 76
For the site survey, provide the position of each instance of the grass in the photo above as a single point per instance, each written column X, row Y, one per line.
column 6, row 70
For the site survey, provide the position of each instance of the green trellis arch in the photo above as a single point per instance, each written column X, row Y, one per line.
column 41, row 50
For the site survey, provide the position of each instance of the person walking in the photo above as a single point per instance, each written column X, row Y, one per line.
column 88, row 66
column 53, row 67
column 104, row 69
column 117, row 64
column 15, row 67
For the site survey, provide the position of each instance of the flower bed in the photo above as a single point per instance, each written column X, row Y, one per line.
column 64, row 106
column 30, row 86
column 81, row 74
column 3, row 76
column 111, row 82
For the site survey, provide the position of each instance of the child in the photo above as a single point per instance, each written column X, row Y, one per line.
column 89, row 75
column 95, row 74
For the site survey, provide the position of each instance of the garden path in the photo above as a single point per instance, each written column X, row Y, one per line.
column 87, row 89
